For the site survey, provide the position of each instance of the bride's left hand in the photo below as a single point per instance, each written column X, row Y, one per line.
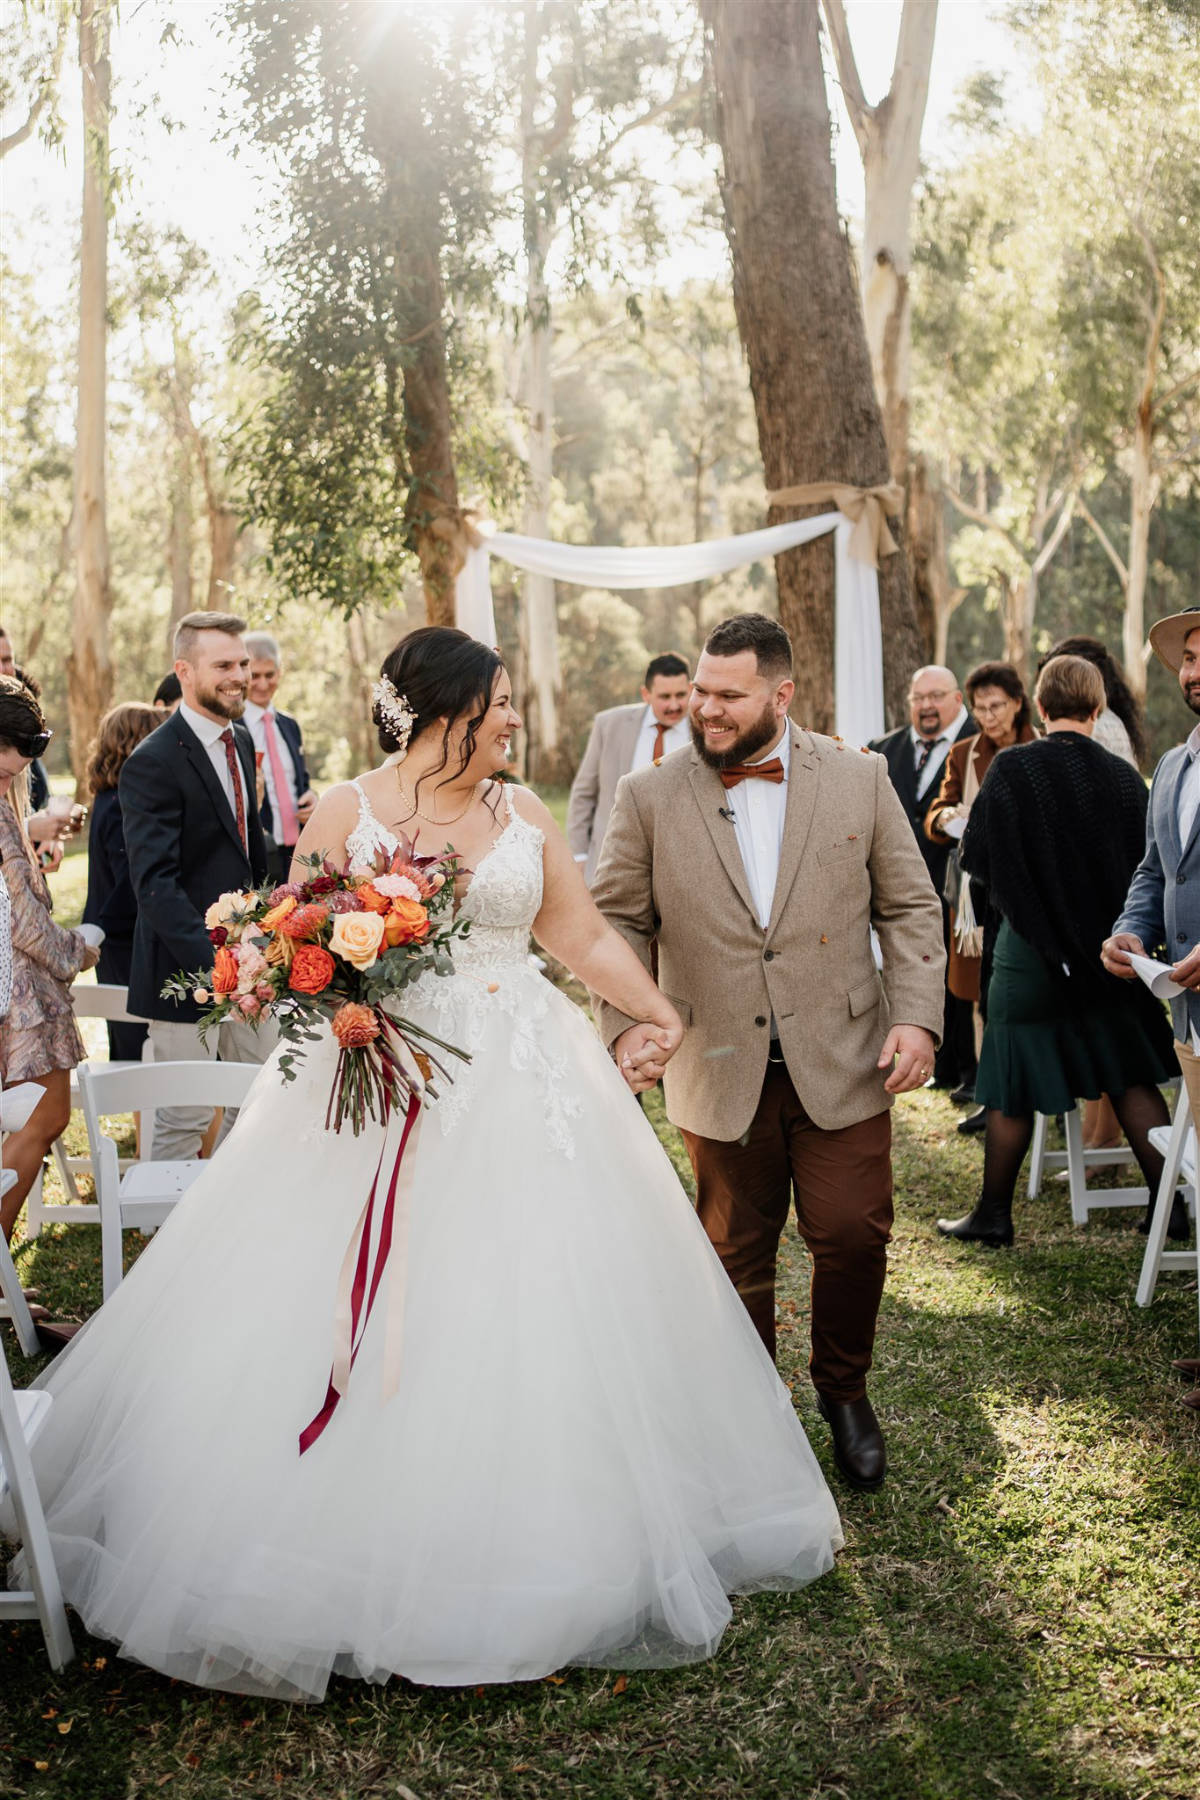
column 643, row 1052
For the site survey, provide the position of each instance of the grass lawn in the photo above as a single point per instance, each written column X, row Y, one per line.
column 1016, row 1614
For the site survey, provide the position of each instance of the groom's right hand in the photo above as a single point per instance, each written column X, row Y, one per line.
column 643, row 1052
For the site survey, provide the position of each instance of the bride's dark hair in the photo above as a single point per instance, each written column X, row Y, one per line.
column 441, row 673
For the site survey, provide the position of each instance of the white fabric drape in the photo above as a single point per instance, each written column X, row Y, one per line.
column 858, row 638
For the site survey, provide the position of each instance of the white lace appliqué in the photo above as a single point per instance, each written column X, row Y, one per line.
column 501, row 903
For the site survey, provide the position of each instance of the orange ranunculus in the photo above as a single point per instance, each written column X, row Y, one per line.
column 355, row 1026
column 225, row 972
column 305, row 922
column 272, row 920
column 406, row 923
column 372, row 899
column 312, row 969
column 280, row 951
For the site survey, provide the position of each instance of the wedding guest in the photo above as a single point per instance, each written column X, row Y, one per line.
column 168, row 693
column 39, row 786
column 761, row 860
column 288, row 799
column 110, row 903
column 1054, row 836
column 1000, row 708
column 915, row 755
column 622, row 739
column 1120, row 727
column 192, row 833
column 39, row 1040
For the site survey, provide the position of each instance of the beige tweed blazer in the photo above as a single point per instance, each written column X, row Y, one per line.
column 671, row 870
column 608, row 757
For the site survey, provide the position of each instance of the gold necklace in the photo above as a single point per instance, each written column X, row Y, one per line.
column 429, row 819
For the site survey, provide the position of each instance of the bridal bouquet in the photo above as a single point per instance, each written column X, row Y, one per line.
column 339, row 947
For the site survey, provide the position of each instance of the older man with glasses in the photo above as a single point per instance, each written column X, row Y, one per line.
column 915, row 755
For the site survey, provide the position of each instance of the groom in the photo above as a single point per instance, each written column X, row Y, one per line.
column 760, row 859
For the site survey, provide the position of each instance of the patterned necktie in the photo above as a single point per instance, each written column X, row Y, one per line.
column 286, row 825
column 660, row 738
column 925, row 750
column 235, row 776
column 764, row 771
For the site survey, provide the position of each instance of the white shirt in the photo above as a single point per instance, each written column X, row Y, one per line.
column 1189, row 787
column 253, row 718
column 675, row 738
column 937, row 756
column 209, row 732
column 758, row 809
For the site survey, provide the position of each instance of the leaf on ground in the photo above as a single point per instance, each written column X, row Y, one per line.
column 620, row 1684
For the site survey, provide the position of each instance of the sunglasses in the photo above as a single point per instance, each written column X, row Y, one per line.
column 31, row 746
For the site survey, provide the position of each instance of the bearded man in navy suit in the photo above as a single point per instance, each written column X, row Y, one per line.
column 192, row 833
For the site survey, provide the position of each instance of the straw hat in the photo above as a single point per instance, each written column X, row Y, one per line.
column 1168, row 636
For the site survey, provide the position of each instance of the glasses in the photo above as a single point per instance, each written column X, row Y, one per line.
column 31, row 746
column 942, row 694
column 996, row 709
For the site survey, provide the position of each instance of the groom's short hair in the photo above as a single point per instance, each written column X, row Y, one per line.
column 770, row 643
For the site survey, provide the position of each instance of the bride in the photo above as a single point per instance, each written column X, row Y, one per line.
column 588, row 1450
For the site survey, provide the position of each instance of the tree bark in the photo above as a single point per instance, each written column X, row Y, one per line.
column 935, row 599
column 89, row 664
column 800, row 320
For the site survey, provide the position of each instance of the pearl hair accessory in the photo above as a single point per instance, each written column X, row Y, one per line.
column 396, row 714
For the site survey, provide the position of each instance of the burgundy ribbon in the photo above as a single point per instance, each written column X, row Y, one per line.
column 359, row 1314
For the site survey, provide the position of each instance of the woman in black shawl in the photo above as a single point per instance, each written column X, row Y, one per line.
column 1055, row 834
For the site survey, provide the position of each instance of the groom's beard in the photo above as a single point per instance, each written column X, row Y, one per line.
column 756, row 737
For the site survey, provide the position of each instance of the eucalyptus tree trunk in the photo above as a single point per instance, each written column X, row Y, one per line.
column 800, row 320
column 89, row 664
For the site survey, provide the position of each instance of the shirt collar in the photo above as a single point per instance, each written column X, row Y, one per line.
column 209, row 731
column 254, row 712
column 1192, row 743
column 947, row 734
column 783, row 750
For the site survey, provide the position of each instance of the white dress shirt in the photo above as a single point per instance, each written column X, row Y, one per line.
column 253, row 720
column 209, row 732
column 1189, row 787
column 758, row 809
column 942, row 745
column 675, row 738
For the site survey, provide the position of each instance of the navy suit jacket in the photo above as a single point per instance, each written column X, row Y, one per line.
column 1162, row 906
column 289, row 731
column 182, row 841
column 897, row 751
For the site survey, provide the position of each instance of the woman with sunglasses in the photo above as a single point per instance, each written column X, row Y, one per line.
column 39, row 1040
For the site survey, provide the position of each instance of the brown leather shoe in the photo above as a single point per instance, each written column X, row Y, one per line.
column 1187, row 1365
column 1192, row 1399
column 858, row 1446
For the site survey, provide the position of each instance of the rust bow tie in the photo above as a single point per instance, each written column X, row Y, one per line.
column 771, row 770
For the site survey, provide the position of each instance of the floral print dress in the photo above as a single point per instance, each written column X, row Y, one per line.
column 39, row 1032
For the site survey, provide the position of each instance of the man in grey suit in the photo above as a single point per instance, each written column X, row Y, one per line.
column 1162, row 907
column 625, row 738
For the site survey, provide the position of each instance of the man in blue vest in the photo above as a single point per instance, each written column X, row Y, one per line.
column 1161, row 914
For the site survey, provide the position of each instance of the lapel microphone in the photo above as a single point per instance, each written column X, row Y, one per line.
column 726, row 812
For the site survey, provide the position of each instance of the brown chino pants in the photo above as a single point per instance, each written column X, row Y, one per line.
column 842, row 1182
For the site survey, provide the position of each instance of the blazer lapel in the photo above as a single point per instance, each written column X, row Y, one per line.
column 710, row 797
column 628, row 729
column 804, row 777
column 202, row 764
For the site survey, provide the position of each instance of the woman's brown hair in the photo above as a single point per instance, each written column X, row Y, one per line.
column 122, row 729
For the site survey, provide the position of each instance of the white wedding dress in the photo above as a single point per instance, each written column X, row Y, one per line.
column 588, row 1450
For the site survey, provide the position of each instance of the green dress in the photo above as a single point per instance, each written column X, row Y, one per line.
column 1043, row 1050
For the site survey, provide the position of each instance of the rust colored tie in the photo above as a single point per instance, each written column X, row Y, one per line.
column 771, row 770
column 660, row 738
column 235, row 775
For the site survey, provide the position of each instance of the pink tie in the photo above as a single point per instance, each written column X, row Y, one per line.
column 285, row 813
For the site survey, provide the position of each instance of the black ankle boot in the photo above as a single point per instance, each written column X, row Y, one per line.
column 991, row 1227
column 1178, row 1229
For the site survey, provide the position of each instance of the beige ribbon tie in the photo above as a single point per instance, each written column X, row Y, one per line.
column 866, row 508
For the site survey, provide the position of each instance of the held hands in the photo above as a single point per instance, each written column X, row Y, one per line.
column 912, row 1050
column 643, row 1052
column 91, row 957
column 1114, row 954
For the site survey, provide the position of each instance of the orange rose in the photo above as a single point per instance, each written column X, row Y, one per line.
column 225, row 972
column 355, row 1026
column 272, row 920
column 305, row 922
column 372, row 899
column 312, row 969
column 406, row 923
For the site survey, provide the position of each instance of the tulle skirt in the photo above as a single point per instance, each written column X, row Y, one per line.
column 588, row 1451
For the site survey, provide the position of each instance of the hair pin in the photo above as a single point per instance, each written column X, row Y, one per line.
column 395, row 712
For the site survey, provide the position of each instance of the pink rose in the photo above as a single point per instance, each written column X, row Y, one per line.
column 249, row 1005
column 397, row 887
column 265, row 992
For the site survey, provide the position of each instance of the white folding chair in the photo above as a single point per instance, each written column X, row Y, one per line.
column 1077, row 1161
column 16, row 1104
column 1177, row 1144
column 23, row 1412
column 90, row 1000
column 142, row 1197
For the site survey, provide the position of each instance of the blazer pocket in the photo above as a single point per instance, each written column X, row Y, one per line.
column 681, row 1007
column 847, row 847
column 865, row 996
